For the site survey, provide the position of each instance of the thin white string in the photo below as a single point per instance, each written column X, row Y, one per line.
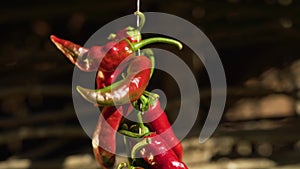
column 138, row 9
column 138, row 21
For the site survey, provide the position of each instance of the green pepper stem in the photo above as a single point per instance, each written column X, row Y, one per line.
column 111, row 36
column 130, row 134
column 153, row 65
column 144, row 106
column 142, row 19
column 141, row 123
column 149, row 53
column 152, row 95
column 136, row 46
column 127, row 148
column 146, row 100
column 138, row 146
column 122, row 165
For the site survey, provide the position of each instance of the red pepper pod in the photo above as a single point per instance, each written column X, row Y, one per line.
column 109, row 116
column 113, row 53
column 71, row 50
column 156, row 153
column 104, row 138
column 107, row 57
column 157, row 121
column 124, row 91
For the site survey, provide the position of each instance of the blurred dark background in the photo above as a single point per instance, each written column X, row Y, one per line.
column 258, row 43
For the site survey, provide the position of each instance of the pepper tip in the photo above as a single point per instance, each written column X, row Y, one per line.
column 180, row 46
column 80, row 90
column 88, row 94
column 53, row 38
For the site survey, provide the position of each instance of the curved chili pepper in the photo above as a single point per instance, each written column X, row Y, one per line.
column 132, row 87
column 156, row 153
column 110, row 55
column 106, row 158
column 158, row 121
column 111, row 116
column 104, row 138
column 102, row 77
column 106, row 135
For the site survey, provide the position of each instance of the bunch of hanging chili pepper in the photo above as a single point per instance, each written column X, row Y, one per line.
column 110, row 61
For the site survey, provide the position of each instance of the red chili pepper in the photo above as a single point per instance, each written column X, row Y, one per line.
column 106, row 158
column 105, row 135
column 104, row 138
column 158, row 121
column 110, row 55
column 126, row 90
column 111, row 116
column 156, row 153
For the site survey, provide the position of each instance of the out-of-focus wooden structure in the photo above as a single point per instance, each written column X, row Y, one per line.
column 258, row 43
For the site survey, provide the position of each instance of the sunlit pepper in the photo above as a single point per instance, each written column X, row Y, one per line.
column 154, row 150
column 107, row 57
column 157, row 120
column 104, row 137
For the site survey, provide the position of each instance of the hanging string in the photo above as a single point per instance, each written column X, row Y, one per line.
column 138, row 21
column 138, row 10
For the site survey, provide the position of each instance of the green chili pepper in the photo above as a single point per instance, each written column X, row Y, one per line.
column 126, row 90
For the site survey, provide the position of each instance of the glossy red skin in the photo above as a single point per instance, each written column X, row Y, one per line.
column 107, row 78
column 72, row 51
column 159, row 156
column 110, row 55
column 138, row 82
column 157, row 121
column 105, row 58
column 116, row 51
column 106, row 159
column 103, row 133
